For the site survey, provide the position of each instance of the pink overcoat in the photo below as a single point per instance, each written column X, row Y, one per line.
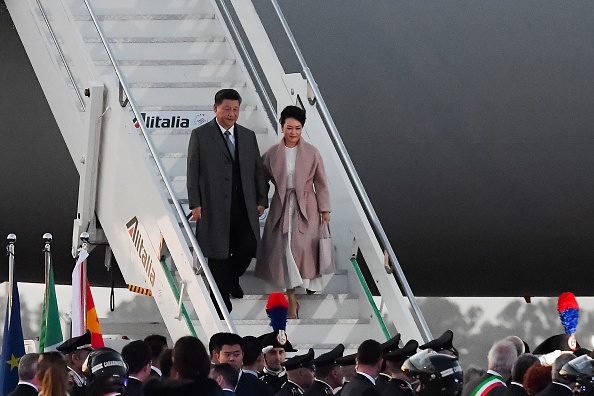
column 311, row 191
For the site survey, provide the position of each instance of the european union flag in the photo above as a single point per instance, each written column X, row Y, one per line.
column 13, row 347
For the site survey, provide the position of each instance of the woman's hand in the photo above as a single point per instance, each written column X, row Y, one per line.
column 325, row 217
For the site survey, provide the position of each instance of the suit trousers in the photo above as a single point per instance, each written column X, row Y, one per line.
column 242, row 248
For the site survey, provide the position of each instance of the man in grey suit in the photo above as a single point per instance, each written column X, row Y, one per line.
column 226, row 192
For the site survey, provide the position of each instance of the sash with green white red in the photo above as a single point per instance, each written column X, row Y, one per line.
column 487, row 385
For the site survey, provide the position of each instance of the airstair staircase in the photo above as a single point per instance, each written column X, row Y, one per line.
column 168, row 58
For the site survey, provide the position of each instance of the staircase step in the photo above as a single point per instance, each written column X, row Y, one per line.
column 317, row 306
column 177, row 73
column 119, row 7
column 142, row 17
column 165, row 62
column 172, row 27
column 174, row 50
column 314, row 331
column 336, row 284
column 182, row 96
column 157, row 40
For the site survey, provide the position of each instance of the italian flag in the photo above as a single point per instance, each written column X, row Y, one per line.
column 78, row 311
column 51, row 330
column 487, row 385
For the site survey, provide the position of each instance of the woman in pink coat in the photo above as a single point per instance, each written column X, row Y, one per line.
column 288, row 253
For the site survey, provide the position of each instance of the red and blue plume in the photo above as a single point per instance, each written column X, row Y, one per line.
column 277, row 307
column 568, row 312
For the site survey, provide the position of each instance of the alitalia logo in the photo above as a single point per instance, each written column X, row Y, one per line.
column 133, row 228
column 173, row 119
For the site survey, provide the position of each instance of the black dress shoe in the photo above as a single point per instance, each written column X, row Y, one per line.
column 236, row 291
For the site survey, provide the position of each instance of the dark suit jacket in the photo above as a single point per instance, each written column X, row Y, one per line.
column 154, row 374
column 289, row 389
column 250, row 385
column 359, row 386
column 397, row 387
column 381, row 382
column 209, row 183
column 23, row 390
column 497, row 390
column 133, row 388
column 515, row 390
column 555, row 389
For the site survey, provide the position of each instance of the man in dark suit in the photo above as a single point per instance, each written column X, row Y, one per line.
column 328, row 376
column 137, row 356
column 226, row 376
column 384, row 377
column 521, row 365
column 500, row 360
column 158, row 344
column 369, row 363
column 226, row 192
column 27, row 385
column 253, row 361
column 400, row 383
column 560, row 386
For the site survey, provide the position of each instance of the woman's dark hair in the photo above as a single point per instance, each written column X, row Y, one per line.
column 52, row 373
column 292, row 112
column 165, row 361
column 190, row 359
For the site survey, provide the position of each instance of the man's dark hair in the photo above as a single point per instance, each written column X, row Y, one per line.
column 252, row 348
column 157, row 343
column 370, row 352
column 227, row 93
column 212, row 343
column 325, row 370
column 230, row 375
column 292, row 112
column 137, row 355
column 166, row 362
column 522, row 364
column 190, row 359
column 28, row 367
column 227, row 339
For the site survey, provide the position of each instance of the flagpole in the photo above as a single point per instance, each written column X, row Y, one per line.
column 10, row 248
column 84, row 237
column 47, row 238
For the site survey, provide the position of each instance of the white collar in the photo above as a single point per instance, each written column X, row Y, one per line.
column 157, row 370
column 297, row 385
column 133, row 377
column 223, row 130
column 325, row 383
column 369, row 377
column 28, row 383
column 517, row 383
column 249, row 372
column 493, row 372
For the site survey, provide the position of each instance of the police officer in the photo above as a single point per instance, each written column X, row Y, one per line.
column 400, row 383
column 275, row 345
column 328, row 376
column 443, row 344
column 438, row 374
column 384, row 377
column 300, row 374
column 347, row 370
column 106, row 372
column 76, row 351
column 580, row 371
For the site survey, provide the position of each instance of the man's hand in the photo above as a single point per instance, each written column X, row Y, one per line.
column 196, row 213
column 260, row 210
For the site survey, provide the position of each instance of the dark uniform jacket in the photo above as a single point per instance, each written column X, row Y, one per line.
column 319, row 388
column 78, row 384
column 359, row 386
column 23, row 390
column 290, row 388
column 382, row 381
column 555, row 389
column 274, row 380
column 397, row 387
column 250, row 385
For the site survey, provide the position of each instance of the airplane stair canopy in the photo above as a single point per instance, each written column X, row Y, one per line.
column 127, row 82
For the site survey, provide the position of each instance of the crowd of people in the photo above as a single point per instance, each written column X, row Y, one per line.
column 258, row 366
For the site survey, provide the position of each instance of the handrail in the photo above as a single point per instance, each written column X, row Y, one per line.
column 178, row 207
column 352, row 173
column 250, row 63
column 51, row 31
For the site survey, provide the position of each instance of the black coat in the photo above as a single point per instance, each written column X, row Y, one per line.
column 184, row 387
column 359, row 386
column 275, row 382
column 382, row 381
column 555, row 389
column 133, row 388
column 23, row 390
column 515, row 390
column 250, row 385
